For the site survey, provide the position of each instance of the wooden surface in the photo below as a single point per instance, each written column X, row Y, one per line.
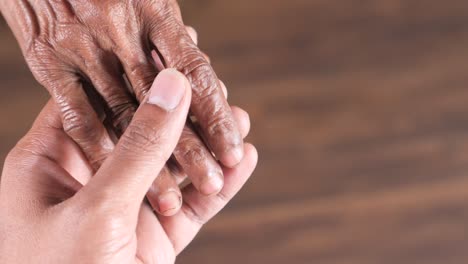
column 360, row 113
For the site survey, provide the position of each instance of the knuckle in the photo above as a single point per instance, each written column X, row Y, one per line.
column 135, row 60
column 140, row 73
column 45, row 65
column 141, row 87
column 80, row 123
column 123, row 116
column 118, row 101
column 202, row 77
column 190, row 151
column 141, row 80
column 122, row 110
column 142, row 136
column 77, row 121
column 14, row 155
column 221, row 124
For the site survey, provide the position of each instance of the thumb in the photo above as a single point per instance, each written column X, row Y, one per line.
column 143, row 150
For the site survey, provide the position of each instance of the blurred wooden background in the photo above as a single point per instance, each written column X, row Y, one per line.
column 359, row 111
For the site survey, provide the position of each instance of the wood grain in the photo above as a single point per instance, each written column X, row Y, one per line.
column 360, row 113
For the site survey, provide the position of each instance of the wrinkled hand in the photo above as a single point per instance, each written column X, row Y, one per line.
column 103, row 50
column 197, row 163
column 55, row 209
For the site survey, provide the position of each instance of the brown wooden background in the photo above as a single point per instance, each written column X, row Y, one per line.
column 360, row 113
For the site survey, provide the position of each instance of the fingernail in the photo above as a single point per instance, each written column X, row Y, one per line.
column 169, row 202
column 212, row 185
column 168, row 89
column 193, row 34
column 232, row 157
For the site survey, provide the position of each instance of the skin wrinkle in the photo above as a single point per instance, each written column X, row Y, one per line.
column 51, row 12
column 122, row 115
column 63, row 7
column 190, row 153
column 30, row 23
column 47, row 21
column 73, row 116
column 220, row 124
column 144, row 136
column 193, row 156
column 63, row 98
column 74, row 42
column 204, row 90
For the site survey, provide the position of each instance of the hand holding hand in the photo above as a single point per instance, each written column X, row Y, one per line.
column 75, row 48
column 55, row 209
column 81, row 49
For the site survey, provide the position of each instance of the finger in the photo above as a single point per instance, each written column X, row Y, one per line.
column 153, row 244
column 194, row 36
column 207, row 58
column 208, row 102
column 192, row 33
column 160, row 65
column 175, row 8
column 198, row 162
column 107, row 79
column 40, row 182
column 198, row 209
column 164, row 195
column 37, row 161
column 82, row 124
column 242, row 119
column 157, row 58
column 138, row 66
column 47, row 131
column 145, row 147
column 48, row 118
column 223, row 87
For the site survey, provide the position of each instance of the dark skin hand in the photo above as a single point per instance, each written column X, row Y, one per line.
column 104, row 48
column 164, row 194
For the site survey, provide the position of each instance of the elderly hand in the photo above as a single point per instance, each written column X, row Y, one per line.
column 55, row 209
column 103, row 50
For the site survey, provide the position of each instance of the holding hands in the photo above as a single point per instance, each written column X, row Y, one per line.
column 136, row 110
column 55, row 209
column 98, row 60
